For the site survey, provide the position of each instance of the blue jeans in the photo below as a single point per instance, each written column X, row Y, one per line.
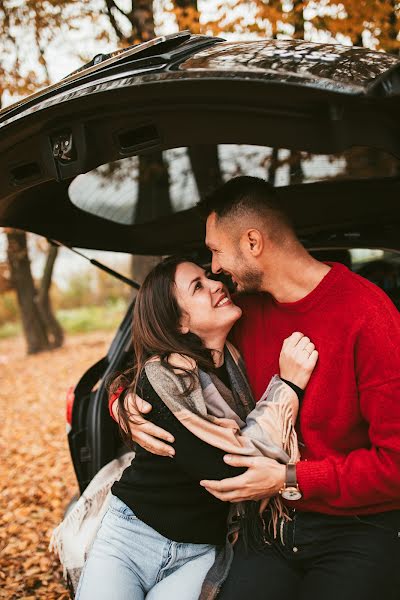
column 131, row 561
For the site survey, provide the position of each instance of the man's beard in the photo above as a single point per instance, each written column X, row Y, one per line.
column 250, row 281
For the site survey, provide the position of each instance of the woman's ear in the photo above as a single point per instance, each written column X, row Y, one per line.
column 184, row 324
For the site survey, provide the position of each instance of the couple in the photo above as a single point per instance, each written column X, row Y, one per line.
column 247, row 499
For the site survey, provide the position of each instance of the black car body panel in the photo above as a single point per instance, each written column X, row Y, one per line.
column 93, row 438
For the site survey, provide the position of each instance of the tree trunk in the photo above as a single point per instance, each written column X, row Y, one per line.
column 296, row 173
column 187, row 15
column 140, row 17
column 206, row 169
column 204, row 159
column 153, row 195
column 54, row 330
column 298, row 19
column 21, row 277
column 273, row 165
column 153, row 201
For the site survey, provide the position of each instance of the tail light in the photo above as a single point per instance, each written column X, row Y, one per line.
column 69, row 405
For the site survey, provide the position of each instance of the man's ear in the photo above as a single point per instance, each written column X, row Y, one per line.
column 254, row 241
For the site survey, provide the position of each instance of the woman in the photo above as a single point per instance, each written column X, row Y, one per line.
column 163, row 531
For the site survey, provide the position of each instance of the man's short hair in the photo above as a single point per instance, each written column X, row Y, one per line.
column 242, row 196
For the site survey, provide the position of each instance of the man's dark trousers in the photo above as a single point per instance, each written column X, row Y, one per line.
column 322, row 557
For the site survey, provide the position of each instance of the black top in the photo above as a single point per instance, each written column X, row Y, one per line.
column 164, row 492
column 222, row 374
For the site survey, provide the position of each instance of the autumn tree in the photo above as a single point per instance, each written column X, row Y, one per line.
column 41, row 328
column 373, row 24
column 35, row 23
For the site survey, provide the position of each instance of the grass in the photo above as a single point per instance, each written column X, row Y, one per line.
column 10, row 330
column 79, row 320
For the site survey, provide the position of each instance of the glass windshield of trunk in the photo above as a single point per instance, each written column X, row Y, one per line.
column 141, row 189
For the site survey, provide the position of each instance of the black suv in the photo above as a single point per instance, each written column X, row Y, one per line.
column 209, row 109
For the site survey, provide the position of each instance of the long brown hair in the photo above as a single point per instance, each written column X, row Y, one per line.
column 156, row 332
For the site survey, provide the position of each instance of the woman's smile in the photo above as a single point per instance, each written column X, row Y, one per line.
column 223, row 300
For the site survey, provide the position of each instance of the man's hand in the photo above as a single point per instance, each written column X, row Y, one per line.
column 263, row 479
column 144, row 433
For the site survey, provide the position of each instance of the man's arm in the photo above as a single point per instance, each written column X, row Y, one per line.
column 366, row 476
column 145, row 434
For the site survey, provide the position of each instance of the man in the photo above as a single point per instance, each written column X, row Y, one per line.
column 343, row 537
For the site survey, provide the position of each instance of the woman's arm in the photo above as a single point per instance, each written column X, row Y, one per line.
column 270, row 425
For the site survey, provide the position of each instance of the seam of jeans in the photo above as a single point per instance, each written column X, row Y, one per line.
column 171, row 556
column 294, row 530
column 119, row 513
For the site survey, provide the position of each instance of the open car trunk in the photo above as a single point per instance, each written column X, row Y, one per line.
column 69, row 161
column 315, row 98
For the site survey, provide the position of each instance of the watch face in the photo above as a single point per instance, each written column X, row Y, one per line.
column 291, row 493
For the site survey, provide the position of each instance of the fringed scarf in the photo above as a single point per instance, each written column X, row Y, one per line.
column 230, row 420
column 72, row 539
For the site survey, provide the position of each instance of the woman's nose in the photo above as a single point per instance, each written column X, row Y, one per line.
column 216, row 286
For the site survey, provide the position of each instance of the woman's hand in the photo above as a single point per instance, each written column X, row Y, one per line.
column 297, row 359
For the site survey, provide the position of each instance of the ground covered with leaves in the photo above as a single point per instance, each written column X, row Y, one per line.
column 37, row 479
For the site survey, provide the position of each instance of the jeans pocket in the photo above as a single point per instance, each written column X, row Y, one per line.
column 385, row 521
column 120, row 509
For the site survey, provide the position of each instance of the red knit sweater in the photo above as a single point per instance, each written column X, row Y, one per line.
column 350, row 416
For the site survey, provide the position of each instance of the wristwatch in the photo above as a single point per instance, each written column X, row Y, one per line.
column 290, row 490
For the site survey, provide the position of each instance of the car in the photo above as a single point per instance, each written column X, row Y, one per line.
column 320, row 120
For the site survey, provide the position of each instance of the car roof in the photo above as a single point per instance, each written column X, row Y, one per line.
column 186, row 89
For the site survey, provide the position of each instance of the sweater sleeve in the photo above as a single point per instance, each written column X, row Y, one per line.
column 367, row 476
column 198, row 459
column 113, row 398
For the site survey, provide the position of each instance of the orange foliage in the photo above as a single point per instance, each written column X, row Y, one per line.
column 187, row 17
column 374, row 23
column 371, row 22
column 29, row 27
column 354, row 18
column 35, row 462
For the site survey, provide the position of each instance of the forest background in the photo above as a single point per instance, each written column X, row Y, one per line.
column 45, row 292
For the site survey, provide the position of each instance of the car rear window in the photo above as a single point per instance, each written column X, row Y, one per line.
column 133, row 191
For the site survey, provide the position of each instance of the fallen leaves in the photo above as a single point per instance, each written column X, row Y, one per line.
column 36, row 471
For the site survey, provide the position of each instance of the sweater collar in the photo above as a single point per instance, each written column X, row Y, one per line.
column 317, row 294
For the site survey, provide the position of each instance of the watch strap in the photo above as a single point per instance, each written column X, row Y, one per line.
column 291, row 478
